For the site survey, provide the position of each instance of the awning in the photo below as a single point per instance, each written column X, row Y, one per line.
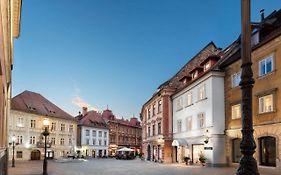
column 179, row 142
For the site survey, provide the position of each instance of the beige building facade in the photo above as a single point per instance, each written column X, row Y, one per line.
column 9, row 29
column 26, row 124
column 266, row 95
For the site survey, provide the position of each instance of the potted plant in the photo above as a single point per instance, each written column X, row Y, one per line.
column 186, row 160
column 202, row 159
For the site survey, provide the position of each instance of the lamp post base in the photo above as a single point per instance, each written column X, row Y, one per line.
column 248, row 166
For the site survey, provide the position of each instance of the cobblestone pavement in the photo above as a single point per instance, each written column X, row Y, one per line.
column 121, row 167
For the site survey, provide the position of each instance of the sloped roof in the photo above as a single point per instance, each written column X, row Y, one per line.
column 92, row 119
column 32, row 102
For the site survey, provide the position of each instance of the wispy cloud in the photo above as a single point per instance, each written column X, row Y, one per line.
column 78, row 101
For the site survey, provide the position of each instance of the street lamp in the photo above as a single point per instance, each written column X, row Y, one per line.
column 13, row 144
column 248, row 164
column 45, row 133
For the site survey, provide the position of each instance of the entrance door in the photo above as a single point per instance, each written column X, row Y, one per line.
column 148, row 152
column 196, row 151
column 35, row 155
column 267, row 151
column 93, row 153
column 236, row 153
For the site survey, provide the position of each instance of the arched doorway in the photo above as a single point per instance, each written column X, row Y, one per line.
column 148, row 152
column 267, row 147
column 35, row 155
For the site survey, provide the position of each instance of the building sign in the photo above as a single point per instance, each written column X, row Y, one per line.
column 208, row 148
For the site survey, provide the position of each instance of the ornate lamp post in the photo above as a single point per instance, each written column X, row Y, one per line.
column 248, row 164
column 45, row 133
column 13, row 146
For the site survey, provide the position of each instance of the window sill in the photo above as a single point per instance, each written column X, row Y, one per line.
column 265, row 113
column 203, row 99
column 189, row 105
column 266, row 75
column 234, row 119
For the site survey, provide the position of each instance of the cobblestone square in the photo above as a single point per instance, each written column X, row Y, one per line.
column 121, row 167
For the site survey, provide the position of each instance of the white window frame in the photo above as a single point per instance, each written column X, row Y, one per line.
column 201, row 120
column 235, row 79
column 201, row 92
column 188, row 99
column 179, row 126
column 262, row 107
column 179, row 104
column 234, row 113
column 189, row 123
column 269, row 57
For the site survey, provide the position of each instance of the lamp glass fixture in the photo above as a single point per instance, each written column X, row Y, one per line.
column 46, row 122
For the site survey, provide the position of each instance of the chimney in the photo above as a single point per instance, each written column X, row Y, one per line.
column 84, row 110
column 262, row 14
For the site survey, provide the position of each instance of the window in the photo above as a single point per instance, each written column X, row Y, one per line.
column 207, row 66
column 266, row 104
column 62, row 127
column 179, row 125
column 20, row 123
column 153, row 109
column 194, row 74
column 19, row 154
column 105, row 134
column 100, row 133
column 148, row 131
column 188, row 123
column 87, row 132
column 19, row 141
column 94, row 141
column 32, row 123
column 235, row 79
column 53, row 127
column 153, row 130
column 159, row 128
column 94, row 133
column 70, row 128
column 159, row 106
column 236, row 111
column 105, row 142
column 53, row 140
column 266, row 65
column 189, row 99
column 62, row 141
column 87, row 141
column 99, row 142
column 70, row 141
column 201, row 120
column 202, row 93
column 179, row 104
column 148, row 113
column 32, row 140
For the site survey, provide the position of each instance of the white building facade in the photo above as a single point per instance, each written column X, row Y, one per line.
column 94, row 142
column 198, row 120
column 93, row 135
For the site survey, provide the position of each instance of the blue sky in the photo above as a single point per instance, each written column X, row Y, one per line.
column 116, row 52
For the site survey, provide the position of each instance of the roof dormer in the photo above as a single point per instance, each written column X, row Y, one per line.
column 185, row 79
column 209, row 62
column 195, row 72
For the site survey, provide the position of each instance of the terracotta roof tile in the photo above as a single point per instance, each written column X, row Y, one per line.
column 31, row 102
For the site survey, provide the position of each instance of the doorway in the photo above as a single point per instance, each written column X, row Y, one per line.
column 197, row 150
column 35, row 155
column 267, row 151
column 148, row 152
